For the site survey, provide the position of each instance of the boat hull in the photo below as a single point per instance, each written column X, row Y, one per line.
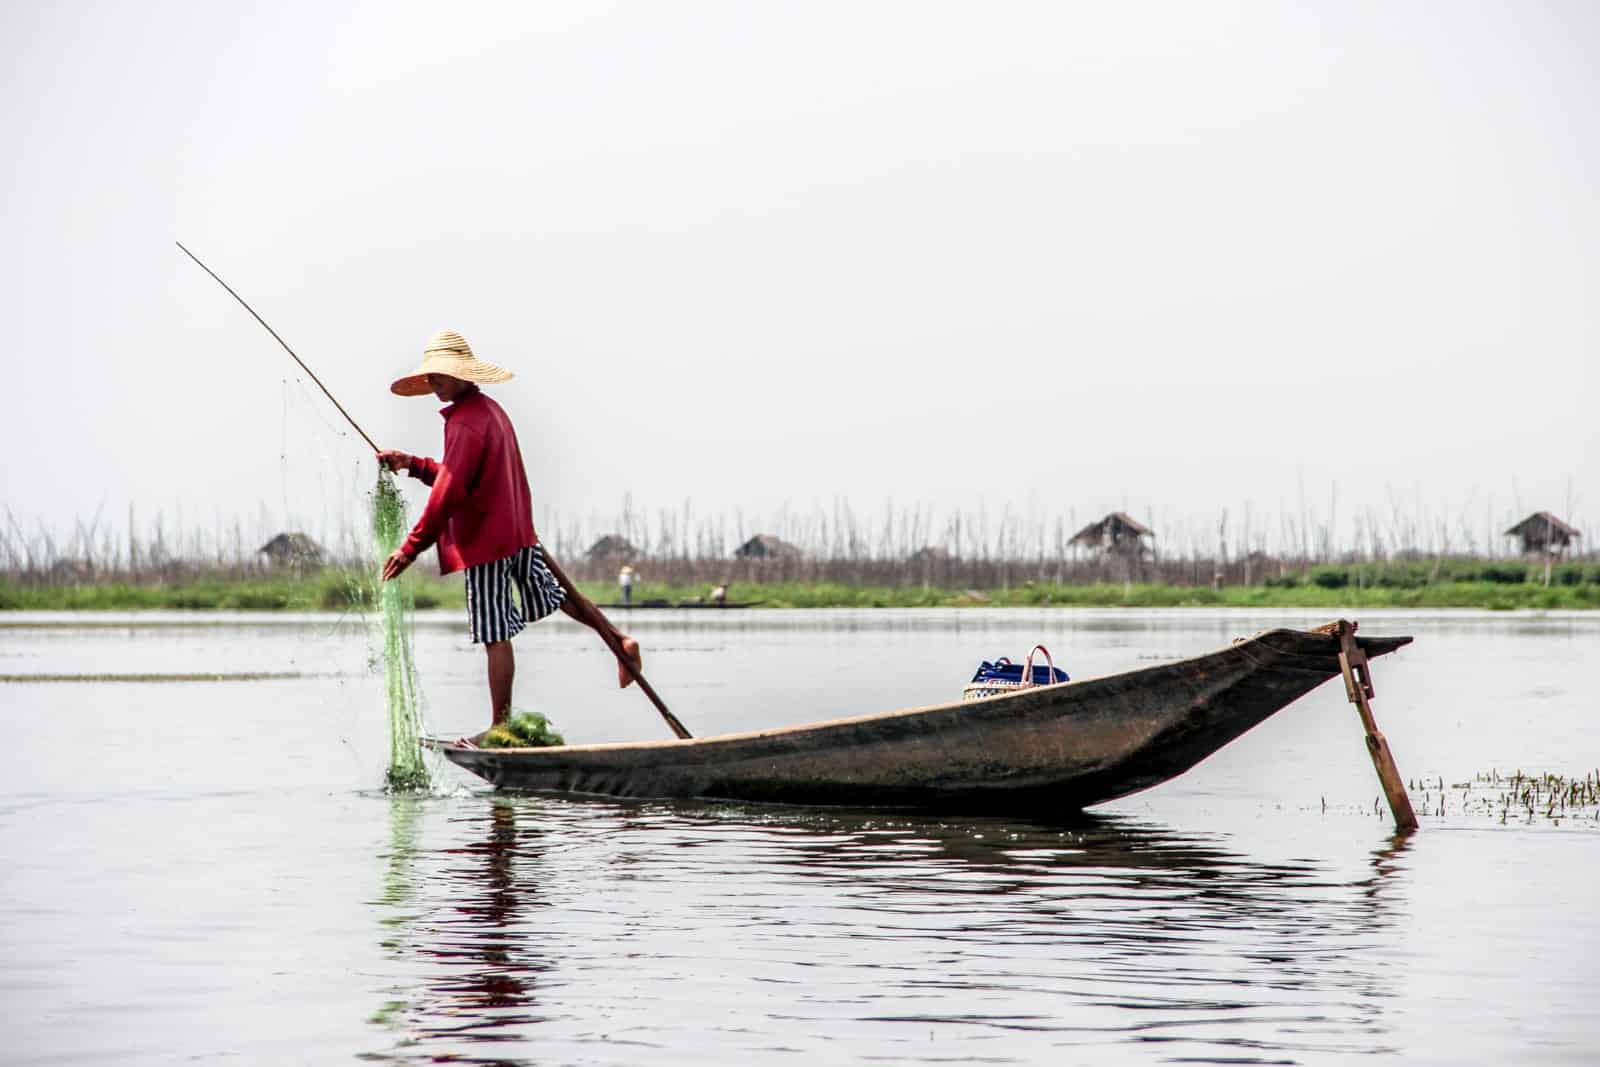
column 1047, row 749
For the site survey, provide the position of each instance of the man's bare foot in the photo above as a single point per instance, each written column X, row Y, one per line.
column 631, row 647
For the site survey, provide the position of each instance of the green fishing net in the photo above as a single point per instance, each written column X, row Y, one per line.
column 407, row 769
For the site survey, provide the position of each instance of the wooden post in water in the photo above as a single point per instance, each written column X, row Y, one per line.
column 1358, row 687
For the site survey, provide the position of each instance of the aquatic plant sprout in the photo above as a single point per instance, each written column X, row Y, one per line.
column 407, row 769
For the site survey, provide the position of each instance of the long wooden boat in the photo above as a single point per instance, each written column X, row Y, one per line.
column 1047, row 749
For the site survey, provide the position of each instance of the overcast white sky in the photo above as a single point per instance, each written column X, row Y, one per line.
column 1062, row 257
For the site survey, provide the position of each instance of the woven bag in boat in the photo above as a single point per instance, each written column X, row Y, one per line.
column 1002, row 676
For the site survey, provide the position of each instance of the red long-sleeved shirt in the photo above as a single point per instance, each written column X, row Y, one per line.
column 480, row 508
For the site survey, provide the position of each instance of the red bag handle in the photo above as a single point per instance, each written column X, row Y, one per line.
column 1027, row 666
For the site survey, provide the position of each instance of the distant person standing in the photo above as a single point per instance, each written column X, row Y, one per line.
column 625, row 581
column 719, row 595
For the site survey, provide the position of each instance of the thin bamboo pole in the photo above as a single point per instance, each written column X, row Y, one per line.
column 282, row 342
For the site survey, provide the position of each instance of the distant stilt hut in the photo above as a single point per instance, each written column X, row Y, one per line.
column 1116, row 535
column 766, row 546
column 612, row 548
column 1542, row 534
column 71, row 572
column 932, row 563
column 292, row 549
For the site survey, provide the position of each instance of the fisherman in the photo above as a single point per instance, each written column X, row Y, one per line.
column 625, row 579
column 480, row 514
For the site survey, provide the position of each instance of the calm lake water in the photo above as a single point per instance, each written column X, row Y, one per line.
column 197, row 862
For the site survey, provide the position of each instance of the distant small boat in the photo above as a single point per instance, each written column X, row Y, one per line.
column 1045, row 749
column 681, row 605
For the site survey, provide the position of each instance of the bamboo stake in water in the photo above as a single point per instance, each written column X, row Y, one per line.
column 1358, row 687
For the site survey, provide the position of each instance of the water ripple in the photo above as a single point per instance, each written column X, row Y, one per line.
column 544, row 930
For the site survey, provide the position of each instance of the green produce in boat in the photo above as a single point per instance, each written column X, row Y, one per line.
column 527, row 729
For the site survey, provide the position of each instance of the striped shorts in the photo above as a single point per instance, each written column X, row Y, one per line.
column 491, row 613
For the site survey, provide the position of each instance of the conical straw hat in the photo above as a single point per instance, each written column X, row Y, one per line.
column 448, row 353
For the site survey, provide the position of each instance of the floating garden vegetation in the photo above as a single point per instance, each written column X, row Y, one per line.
column 1516, row 797
column 408, row 771
column 330, row 590
column 526, row 729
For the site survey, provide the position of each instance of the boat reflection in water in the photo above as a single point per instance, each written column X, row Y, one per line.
column 531, row 929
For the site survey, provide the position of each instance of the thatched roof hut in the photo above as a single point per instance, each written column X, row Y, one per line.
column 71, row 571
column 292, row 548
column 1117, row 532
column 931, row 554
column 1543, row 534
column 766, row 546
column 612, row 547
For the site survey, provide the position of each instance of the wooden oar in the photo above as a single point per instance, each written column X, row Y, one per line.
column 608, row 634
column 612, row 643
